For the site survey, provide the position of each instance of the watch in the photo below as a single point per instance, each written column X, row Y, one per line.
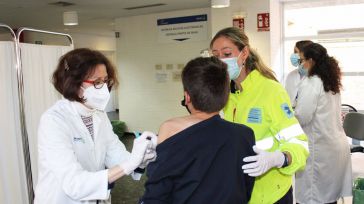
column 285, row 163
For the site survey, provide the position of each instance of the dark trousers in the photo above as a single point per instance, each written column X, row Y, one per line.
column 286, row 199
column 327, row 203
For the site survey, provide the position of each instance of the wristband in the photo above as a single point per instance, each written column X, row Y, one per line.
column 285, row 163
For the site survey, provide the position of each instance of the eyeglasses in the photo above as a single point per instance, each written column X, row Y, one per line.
column 98, row 84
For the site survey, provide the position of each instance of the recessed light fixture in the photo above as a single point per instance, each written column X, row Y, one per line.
column 220, row 3
column 70, row 18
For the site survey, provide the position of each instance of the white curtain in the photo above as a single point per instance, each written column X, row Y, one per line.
column 38, row 64
column 12, row 171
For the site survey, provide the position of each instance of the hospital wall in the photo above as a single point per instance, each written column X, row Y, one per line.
column 98, row 42
column 5, row 37
column 260, row 41
column 146, row 101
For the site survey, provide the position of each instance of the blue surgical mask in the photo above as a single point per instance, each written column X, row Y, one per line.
column 302, row 71
column 233, row 67
column 295, row 59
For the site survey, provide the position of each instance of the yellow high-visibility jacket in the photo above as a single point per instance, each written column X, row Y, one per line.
column 264, row 106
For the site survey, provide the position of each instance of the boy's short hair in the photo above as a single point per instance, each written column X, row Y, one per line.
column 206, row 80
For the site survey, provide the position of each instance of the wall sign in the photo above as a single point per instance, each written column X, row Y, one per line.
column 186, row 28
column 263, row 23
column 238, row 23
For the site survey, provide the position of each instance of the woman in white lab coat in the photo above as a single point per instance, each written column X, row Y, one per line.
column 327, row 175
column 79, row 155
column 295, row 77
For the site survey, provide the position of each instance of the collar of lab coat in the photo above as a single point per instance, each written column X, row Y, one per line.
column 77, row 109
column 82, row 109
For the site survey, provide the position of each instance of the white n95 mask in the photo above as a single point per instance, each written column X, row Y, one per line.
column 96, row 98
column 233, row 67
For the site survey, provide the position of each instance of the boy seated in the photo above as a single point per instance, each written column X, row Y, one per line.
column 200, row 156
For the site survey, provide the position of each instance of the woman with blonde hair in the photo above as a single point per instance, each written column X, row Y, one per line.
column 258, row 101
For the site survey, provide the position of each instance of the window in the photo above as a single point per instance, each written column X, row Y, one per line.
column 339, row 27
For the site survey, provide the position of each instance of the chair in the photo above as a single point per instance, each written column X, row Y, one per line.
column 354, row 128
column 346, row 108
column 351, row 108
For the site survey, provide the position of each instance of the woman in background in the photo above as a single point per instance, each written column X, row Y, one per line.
column 327, row 176
column 295, row 77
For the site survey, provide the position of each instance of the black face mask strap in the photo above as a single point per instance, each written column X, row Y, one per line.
column 232, row 86
column 183, row 103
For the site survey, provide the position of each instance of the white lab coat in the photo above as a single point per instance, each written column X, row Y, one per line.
column 327, row 175
column 72, row 165
column 293, row 80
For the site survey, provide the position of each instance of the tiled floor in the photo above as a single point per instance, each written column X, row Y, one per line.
column 126, row 190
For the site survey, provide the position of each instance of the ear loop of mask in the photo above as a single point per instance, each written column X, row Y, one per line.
column 243, row 65
column 183, row 103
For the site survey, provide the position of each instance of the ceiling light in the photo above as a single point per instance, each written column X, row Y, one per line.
column 220, row 3
column 70, row 18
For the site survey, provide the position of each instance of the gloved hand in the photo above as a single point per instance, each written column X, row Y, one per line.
column 262, row 162
column 153, row 138
column 150, row 155
column 140, row 146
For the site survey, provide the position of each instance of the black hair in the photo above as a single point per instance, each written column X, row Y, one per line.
column 301, row 44
column 324, row 66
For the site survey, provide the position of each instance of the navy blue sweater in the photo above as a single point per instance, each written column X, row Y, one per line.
column 202, row 164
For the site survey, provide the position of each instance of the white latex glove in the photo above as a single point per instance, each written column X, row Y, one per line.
column 140, row 146
column 152, row 137
column 150, row 155
column 262, row 162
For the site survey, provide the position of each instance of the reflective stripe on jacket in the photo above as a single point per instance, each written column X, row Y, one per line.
column 264, row 106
